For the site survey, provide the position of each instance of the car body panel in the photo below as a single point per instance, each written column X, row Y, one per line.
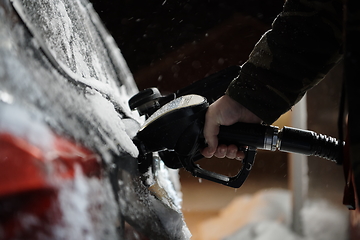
column 64, row 87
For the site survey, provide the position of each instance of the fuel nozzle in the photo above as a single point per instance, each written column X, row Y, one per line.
column 309, row 143
column 288, row 139
column 149, row 101
column 176, row 131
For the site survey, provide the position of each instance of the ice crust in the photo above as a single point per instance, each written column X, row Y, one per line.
column 85, row 101
column 86, row 216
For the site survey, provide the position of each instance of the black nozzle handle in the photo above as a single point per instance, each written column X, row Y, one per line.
column 250, row 134
column 230, row 181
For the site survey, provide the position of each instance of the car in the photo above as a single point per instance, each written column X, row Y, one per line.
column 68, row 166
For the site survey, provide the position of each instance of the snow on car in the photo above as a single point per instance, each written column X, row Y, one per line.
column 68, row 167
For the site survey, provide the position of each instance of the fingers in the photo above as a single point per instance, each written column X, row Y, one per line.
column 224, row 111
column 221, row 151
column 221, row 112
column 231, row 152
column 207, row 152
column 211, row 130
column 240, row 155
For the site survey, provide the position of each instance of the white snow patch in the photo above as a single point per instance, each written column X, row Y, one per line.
column 18, row 122
column 264, row 230
column 6, row 97
column 266, row 216
column 89, row 210
column 110, row 119
column 74, row 203
column 170, row 182
column 323, row 221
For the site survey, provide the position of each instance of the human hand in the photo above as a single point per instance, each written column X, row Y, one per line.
column 224, row 111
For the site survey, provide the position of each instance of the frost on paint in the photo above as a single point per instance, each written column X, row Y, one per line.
column 61, row 73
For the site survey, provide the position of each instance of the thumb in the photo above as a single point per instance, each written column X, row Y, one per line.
column 211, row 130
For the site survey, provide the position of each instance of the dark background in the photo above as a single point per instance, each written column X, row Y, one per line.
column 169, row 44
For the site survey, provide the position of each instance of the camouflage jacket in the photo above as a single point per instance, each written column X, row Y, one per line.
column 305, row 42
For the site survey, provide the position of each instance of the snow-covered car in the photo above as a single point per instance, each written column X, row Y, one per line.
column 68, row 167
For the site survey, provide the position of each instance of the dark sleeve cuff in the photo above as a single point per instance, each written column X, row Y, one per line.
column 260, row 99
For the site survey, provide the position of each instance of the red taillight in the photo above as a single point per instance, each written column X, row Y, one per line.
column 22, row 167
column 29, row 182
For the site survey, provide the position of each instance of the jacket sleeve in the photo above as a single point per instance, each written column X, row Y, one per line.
column 305, row 42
